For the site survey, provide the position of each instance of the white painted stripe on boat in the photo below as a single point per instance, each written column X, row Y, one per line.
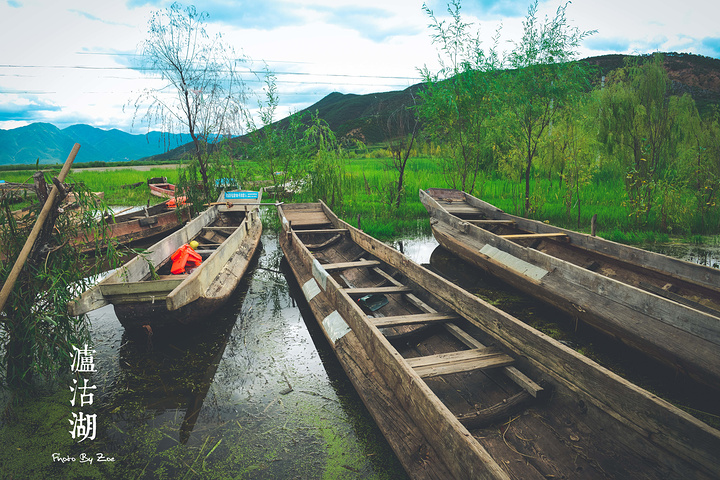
column 514, row 263
column 310, row 289
column 335, row 326
column 320, row 274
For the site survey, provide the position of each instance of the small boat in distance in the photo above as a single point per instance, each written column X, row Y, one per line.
column 463, row 390
column 139, row 224
column 664, row 307
column 145, row 293
column 164, row 190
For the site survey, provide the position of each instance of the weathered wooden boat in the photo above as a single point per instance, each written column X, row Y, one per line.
column 145, row 293
column 667, row 308
column 164, row 190
column 139, row 224
column 463, row 390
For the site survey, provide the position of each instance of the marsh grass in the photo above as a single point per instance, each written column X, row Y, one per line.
column 368, row 187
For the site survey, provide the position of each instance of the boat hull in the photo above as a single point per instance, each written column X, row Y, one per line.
column 676, row 335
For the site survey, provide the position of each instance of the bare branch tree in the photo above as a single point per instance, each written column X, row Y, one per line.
column 204, row 94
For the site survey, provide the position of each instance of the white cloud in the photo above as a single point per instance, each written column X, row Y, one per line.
column 72, row 55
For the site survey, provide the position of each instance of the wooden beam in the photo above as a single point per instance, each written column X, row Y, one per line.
column 522, row 380
column 456, row 362
column 520, row 236
column 220, row 228
column 344, row 265
column 395, row 321
column 491, row 222
column 323, row 230
column 371, row 290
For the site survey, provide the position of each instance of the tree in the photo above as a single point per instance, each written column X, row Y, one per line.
column 207, row 97
column 639, row 124
column 327, row 170
column 541, row 76
column 38, row 331
column 400, row 129
column 457, row 103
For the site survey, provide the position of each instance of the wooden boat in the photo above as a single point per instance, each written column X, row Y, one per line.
column 164, row 190
column 667, row 308
column 137, row 225
column 145, row 293
column 463, row 390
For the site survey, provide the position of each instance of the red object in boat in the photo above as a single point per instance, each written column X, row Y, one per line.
column 183, row 257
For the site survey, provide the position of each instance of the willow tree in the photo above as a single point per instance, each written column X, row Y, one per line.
column 541, row 78
column 639, row 119
column 36, row 330
column 202, row 93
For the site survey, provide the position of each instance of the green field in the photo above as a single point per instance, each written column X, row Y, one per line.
column 366, row 192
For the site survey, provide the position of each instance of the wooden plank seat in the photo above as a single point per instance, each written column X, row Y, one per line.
column 491, row 222
column 220, row 229
column 412, row 319
column 323, row 230
column 371, row 290
column 520, row 379
column 345, row 265
column 520, row 236
column 456, row 362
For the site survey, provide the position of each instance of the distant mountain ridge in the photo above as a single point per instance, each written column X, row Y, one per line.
column 350, row 116
column 49, row 144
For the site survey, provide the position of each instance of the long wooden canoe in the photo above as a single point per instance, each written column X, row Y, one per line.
column 463, row 390
column 667, row 308
column 144, row 292
column 137, row 225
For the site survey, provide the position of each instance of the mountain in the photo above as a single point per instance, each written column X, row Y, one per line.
column 350, row 116
column 49, row 144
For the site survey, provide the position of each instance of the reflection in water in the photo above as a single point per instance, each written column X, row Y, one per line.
column 700, row 254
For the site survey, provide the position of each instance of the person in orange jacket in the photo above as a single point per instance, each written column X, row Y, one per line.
column 184, row 258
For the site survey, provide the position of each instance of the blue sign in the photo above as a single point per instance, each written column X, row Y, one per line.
column 246, row 195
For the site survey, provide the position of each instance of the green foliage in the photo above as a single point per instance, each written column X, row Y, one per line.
column 540, row 82
column 37, row 328
column 328, row 166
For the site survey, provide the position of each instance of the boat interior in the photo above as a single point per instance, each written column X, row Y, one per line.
column 528, row 427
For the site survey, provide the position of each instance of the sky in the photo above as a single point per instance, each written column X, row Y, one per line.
column 66, row 62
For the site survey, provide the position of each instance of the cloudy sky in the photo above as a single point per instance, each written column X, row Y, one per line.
column 69, row 61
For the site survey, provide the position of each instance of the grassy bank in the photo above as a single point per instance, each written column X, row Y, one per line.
column 367, row 193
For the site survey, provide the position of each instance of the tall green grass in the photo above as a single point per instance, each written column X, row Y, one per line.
column 367, row 184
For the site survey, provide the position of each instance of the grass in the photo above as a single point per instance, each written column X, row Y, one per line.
column 367, row 193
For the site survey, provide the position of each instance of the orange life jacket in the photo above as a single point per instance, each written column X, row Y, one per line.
column 183, row 257
column 175, row 201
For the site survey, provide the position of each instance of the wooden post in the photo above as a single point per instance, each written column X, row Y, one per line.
column 358, row 219
column 593, row 224
column 20, row 262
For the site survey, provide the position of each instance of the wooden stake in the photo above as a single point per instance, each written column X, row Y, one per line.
column 20, row 262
